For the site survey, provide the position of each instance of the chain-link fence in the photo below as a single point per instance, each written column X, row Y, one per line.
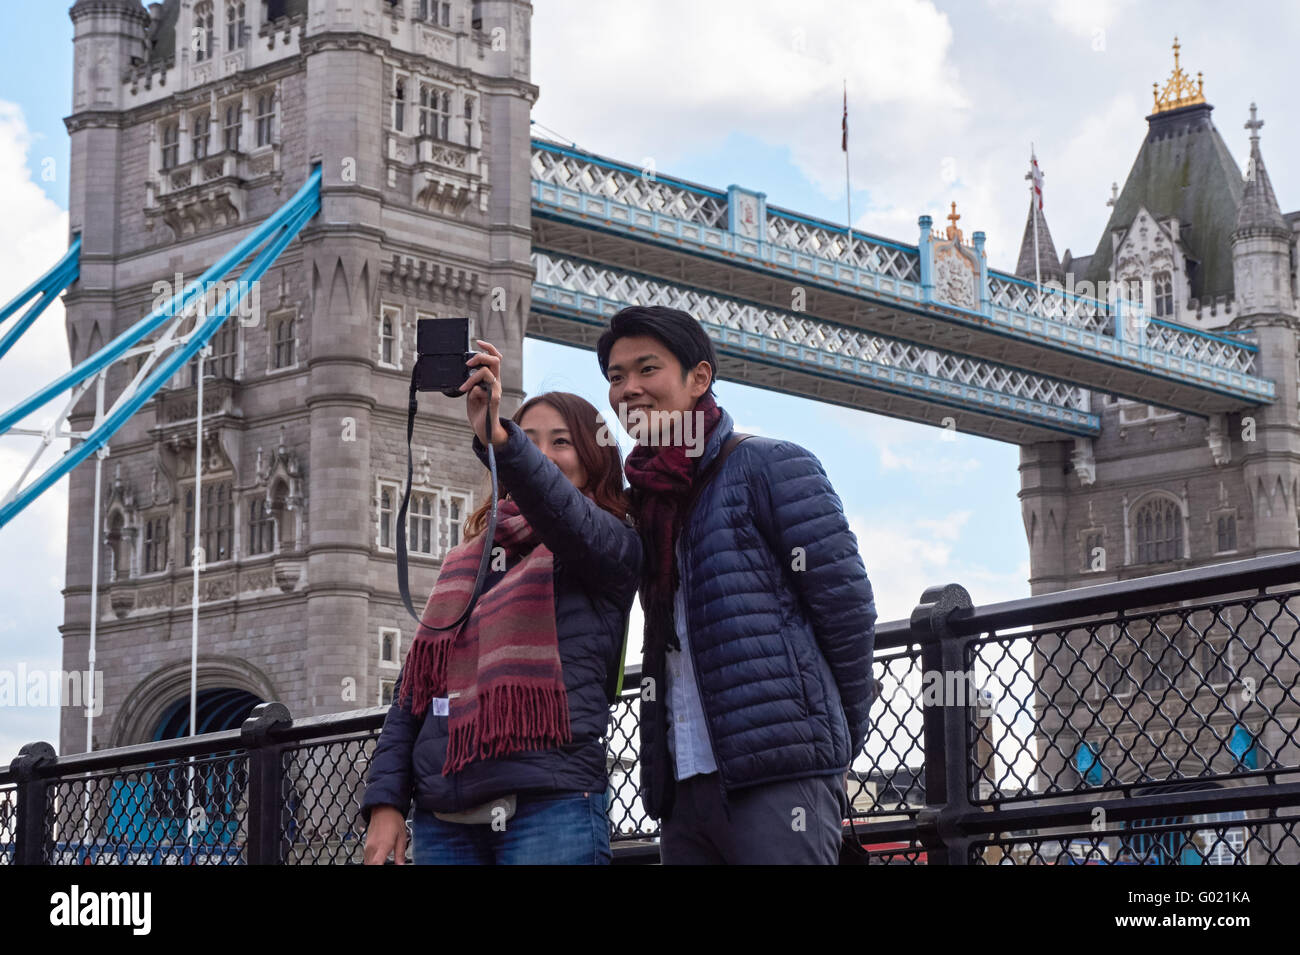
column 1150, row 721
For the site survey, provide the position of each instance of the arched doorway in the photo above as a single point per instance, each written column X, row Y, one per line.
column 151, row 807
column 216, row 709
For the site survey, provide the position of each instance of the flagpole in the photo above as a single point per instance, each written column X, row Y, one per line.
column 100, row 454
column 1033, row 212
column 848, row 191
column 198, row 557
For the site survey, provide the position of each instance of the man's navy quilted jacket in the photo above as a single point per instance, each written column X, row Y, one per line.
column 597, row 567
column 781, row 624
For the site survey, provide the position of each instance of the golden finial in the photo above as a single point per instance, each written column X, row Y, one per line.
column 953, row 231
column 1178, row 90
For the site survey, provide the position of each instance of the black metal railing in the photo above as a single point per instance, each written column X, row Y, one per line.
column 1149, row 721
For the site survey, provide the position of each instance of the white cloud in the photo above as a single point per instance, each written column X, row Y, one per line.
column 1077, row 170
column 931, row 119
column 938, row 470
column 903, row 559
column 34, row 234
column 752, row 429
column 732, row 63
column 691, row 74
column 924, row 451
column 947, row 529
column 1079, row 19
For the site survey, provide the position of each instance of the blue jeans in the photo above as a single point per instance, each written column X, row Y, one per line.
column 568, row 828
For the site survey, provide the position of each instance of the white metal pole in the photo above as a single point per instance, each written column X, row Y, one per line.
column 1038, row 277
column 197, row 557
column 1033, row 211
column 100, row 454
column 848, row 191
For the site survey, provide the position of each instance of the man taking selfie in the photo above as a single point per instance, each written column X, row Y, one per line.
column 759, row 617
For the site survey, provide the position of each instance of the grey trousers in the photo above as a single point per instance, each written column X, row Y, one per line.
column 792, row 822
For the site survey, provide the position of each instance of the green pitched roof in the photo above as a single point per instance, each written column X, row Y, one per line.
column 1184, row 170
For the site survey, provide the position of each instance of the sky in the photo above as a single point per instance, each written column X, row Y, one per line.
column 945, row 99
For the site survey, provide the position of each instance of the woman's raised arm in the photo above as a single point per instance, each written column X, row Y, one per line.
column 602, row 549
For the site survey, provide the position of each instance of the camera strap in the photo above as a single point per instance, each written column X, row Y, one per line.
column 403, row 583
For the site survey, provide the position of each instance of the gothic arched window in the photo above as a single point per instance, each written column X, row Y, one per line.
column 1226, row 538
column 435, row 111
column 232, row 126
column 386, row 340
column 236, row 28
column 116, row 548
column 201, row 127
column 399, row 105
column 261, row 526
column 284, row 343
column 1164, row 294
column 420, row 517
column 216, row 522
column 265, row 118
column 280, row 516
column 203, row 37
column 1158, row 531
column 155, row 544
column 170, row 144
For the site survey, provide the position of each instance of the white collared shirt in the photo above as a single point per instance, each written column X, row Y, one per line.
column 688, row 734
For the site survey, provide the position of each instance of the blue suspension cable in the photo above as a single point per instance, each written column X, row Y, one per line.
column 281, row 228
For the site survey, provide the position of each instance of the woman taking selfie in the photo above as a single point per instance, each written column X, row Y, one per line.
column 495, row 728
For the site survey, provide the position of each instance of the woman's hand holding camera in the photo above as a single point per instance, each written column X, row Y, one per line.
column 488, row 375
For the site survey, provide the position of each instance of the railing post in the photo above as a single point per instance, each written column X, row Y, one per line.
column 986, row 300
column 747, row 219
column 33, row 790
column 265, row 781
column 944, row 726
column 925, row 257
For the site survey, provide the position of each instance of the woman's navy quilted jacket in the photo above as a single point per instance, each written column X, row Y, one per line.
column 597, row 565
column 781, row 624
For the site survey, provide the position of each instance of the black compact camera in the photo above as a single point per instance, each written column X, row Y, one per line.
column 442, row 348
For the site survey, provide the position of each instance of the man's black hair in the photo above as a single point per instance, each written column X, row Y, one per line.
column 676, row 330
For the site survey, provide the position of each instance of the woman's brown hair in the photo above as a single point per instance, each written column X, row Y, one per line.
column 602, row 462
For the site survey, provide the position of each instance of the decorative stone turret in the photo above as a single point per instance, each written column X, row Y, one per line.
column 1049, row 266
column 1261, row 242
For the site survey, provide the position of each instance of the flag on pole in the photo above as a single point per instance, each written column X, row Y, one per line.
column 848, row 189
column 844, row 123
column 1037, row 175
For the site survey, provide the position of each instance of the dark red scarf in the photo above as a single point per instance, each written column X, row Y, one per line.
column 661, row 478
column 501, row 668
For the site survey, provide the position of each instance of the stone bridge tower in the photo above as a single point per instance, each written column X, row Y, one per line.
column 1204, row 238
column 192, row 121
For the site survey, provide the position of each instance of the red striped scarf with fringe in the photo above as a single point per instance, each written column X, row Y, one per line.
column 501, row 668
